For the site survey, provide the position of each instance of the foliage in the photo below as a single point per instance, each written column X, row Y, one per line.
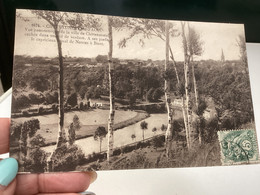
column 73, row 127
column 178, row 125
column 37, row 162
column 133, row 136
column 51, row 97
column 66, row 158
column 154, row 129
column 149, row 95
column 201, row 107
column 158, row 141
column 131, row 96
column 72, row 100
column 143, row 125
column 40, row 83
column 157, row 94
column 93, row 92
column 38, row 141
column 33, row 159
column 15, row 131
column 209, row 134
column 36, row 98
column 101, row 58
column 163, row 127
column 20, row 101
column 99, row 134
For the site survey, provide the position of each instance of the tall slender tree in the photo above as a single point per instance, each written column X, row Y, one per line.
column 56, row 19
column 187, row 90
column 155, row 28
column 111, row 90
column 168, row 133
column 195, row 49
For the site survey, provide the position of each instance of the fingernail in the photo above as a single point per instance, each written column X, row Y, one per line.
column 87, row 193
column 8, row 171
column 93, row 176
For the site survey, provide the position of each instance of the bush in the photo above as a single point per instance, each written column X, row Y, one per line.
column 81, row 106
column 25, row 113
column 21, row 101
column 36, row 98
column 127, row 149
column 52, row 98
column 149, row 95
column 72, row 100
column 156, row 95
column 117, row 152
column 37, row 161
column 158, row 141
column 66, row 158
column 40, row 110
column 54, row 108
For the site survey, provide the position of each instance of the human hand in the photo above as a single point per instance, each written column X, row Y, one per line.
column 29, row 184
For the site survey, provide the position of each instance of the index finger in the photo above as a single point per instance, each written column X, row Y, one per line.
column 4, row 135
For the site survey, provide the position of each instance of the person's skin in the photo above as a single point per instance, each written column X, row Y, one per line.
column 47, row 183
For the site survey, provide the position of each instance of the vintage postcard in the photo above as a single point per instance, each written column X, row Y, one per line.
column 96, row 92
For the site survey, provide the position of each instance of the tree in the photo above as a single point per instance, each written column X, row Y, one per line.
column 241, row 43
column 73, row 127
column 144, row 126
column 149, row 95
column 154, row 130
column 56, row 19
column 111, row 90
column 168, row 133
column 100, row 134
column 101, row 58
column 195, row 49
column 188, row 106
column 155, row 28
column 40, row 83
column 133, row 136
column 72, row 100
column 157, row 94
column 30, row 155
column 158, row 141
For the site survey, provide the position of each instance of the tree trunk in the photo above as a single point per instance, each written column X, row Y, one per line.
column 100, row 144
column 187, row 92
column 61, row 132
column 196, row 99
column 168, row 134
column 143, row 135
column 195, row 84
column 111, row 92
column 182, row 100
column 28, row 147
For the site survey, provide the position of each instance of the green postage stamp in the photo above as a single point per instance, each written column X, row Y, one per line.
column 238, row 146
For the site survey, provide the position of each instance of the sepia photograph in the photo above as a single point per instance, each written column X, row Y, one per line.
column 97, row 92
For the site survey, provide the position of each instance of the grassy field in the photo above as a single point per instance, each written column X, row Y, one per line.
column 89, row 121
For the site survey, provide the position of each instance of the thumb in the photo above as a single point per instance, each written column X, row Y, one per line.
column 8, row 171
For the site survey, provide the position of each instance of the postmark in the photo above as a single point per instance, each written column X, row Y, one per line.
column 238, row 146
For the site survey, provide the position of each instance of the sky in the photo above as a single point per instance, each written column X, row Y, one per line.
column 215, row 37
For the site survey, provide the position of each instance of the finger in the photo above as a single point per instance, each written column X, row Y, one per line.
column 4, row 135
column 53, row 183
column 10, row 189
column 8, row 171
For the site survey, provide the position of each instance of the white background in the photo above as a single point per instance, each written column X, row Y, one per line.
column 243, row 179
